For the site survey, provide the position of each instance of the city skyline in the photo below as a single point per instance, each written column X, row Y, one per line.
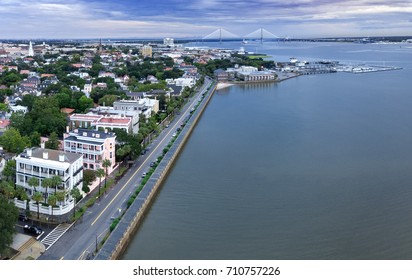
column 79, row 19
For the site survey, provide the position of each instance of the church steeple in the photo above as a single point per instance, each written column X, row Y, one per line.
column 99, row 51
column 31, row 51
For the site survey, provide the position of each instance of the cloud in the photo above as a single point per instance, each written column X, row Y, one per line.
column 81, row 18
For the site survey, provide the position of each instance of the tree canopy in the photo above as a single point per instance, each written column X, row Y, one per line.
column 8, row 219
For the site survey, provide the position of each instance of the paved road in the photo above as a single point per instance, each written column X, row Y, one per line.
column 79, row 241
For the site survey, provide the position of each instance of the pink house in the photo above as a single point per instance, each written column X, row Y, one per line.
column 95, row 146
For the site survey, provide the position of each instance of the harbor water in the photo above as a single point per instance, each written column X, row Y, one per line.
column 314, row 167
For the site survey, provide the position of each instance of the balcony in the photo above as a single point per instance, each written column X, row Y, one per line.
column 83, row 151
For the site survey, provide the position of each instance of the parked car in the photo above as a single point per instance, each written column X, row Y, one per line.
column 152, row 164
column 144, row 174
column 23, row 217
column 33, row 230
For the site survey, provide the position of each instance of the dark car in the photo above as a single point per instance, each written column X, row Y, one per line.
column 33, row 230
column 143, row 152
column 152, row 164
column 23, row 217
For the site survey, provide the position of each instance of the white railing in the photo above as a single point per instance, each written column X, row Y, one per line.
column 47, row 210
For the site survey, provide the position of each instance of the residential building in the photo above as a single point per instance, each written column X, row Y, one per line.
column 101, row 122
column 112, row 122
column 45, row 163
column 95, row 146
column 146, row 50
column 83, row 120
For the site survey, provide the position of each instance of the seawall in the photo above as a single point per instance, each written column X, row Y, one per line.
column 120, row 237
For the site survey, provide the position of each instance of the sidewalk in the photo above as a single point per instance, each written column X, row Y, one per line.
column 27, row 246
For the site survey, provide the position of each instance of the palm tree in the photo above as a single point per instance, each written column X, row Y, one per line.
column 100, row 173
column 37, row 196
column 52, row 202
column 7, row 189
column 33, row 182
column 56, row 181
column 21, row 193
column 46, row 183
column 60, row 196
column 106, row 163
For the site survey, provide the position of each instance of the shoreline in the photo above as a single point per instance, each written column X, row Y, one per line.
column 221, row 85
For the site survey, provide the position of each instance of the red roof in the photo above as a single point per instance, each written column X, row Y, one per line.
column 67, row 110
column 4, row 123
column 47, row 75
column 115, row 120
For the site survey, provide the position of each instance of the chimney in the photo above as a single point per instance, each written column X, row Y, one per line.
column 42, row 145
column 61, row 157
column 67, row 129
column 45, row 155
column 29, row 152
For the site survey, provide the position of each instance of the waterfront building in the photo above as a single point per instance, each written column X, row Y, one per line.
column 95, row 146
column 256, row 76
column 45, row 163
column 221, row 75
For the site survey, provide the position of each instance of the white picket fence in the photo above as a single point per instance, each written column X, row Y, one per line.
column 47, row 210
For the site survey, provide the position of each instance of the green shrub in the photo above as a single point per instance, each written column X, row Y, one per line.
column 114, row 224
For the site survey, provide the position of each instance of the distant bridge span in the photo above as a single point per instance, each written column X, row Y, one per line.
column 222, row 34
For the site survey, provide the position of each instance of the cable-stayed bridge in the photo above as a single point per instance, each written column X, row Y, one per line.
column 222, row 34
column 261, row 34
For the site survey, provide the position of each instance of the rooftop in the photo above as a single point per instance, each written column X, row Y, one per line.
column 52, row 155
column 92, row 133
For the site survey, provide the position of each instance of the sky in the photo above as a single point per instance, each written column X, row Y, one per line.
column 80, row 19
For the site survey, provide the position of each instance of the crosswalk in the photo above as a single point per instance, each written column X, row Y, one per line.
column 55, row 234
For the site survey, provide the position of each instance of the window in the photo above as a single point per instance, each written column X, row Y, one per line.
column 111, row 154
